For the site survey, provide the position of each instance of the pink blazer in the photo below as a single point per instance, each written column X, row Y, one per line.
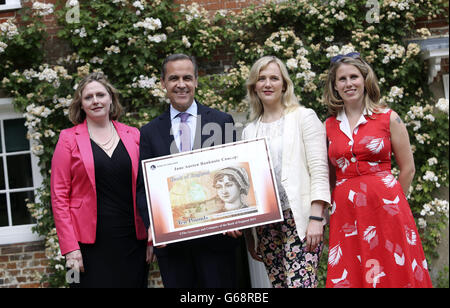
column 73, row 191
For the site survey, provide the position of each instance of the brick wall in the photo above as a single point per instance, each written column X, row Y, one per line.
column 154, row 278
column 437, row 25
column 215, row 5
column 21, row 264
column 55, row 48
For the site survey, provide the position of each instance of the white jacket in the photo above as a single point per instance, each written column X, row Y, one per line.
column 304, row 170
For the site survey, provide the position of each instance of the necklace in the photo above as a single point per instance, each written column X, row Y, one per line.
column 106, row 146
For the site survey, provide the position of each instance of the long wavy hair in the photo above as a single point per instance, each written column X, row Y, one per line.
column 288, row 99
column 371, row 89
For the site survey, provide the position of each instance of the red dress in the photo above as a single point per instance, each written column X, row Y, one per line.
column 373, row 236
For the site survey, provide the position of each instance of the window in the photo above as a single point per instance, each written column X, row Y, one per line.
column 10, row 5
column 19, row 177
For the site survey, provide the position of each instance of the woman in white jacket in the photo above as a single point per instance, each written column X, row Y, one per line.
column 290, row 249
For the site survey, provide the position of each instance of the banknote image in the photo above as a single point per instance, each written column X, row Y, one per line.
column 210, row 191
column 205, row 196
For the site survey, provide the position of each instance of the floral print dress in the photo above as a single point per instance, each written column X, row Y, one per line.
column 288, row 263
column 373, row 237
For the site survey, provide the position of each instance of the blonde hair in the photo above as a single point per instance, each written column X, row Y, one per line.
column 371, row 89
column 289, row 101
column 77, row 114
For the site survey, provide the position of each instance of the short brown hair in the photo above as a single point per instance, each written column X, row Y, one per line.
column 77, row 115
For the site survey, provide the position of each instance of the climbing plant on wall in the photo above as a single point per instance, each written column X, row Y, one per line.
column 128, row 40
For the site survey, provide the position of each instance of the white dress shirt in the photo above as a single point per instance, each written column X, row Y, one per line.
column 191, row 121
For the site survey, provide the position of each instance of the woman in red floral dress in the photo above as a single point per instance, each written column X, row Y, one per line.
column 373, row 237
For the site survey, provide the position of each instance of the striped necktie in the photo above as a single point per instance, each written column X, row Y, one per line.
column 184, row 132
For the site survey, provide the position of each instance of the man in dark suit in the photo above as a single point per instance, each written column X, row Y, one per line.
column 209, row 261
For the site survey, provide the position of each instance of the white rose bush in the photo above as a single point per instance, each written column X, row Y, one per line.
column 128, row 40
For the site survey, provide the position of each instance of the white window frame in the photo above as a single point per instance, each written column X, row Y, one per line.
column 21, row 233
column 11, row 5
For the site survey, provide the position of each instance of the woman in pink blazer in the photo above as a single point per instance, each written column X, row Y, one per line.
column 93, row 191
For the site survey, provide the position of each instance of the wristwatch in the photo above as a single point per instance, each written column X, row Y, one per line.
column 316, row 218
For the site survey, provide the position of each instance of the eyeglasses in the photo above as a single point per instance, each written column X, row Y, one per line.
column 354, row 55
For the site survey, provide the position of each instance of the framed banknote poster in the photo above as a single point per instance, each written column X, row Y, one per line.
column 210, row 191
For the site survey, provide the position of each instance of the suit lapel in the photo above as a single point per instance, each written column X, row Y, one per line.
column 84, row 145
column 165, row 131
column 202, row 120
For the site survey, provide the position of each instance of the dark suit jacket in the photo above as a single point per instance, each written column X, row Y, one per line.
column 156, row 140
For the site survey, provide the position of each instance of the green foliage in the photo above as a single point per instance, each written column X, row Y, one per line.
column 128, row 40
column 443, row 279
column 24, row 43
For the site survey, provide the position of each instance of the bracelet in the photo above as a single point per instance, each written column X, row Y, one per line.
column 316, row 218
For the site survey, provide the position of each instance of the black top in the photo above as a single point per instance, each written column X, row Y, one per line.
column 114, row 189
column 117, row 258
